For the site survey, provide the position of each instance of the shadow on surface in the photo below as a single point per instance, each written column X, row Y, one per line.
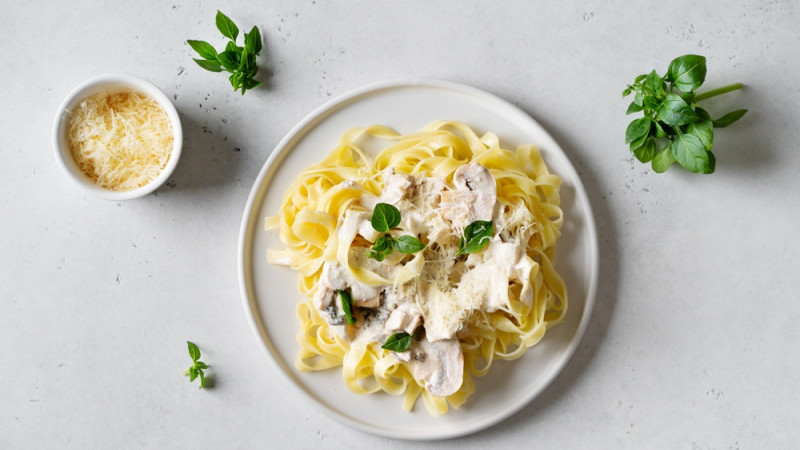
column 210, row 158
column 607, row 289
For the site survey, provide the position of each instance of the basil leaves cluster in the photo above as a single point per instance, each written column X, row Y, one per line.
column 384, row 218
column 240, row 62
column 196, row 370
column 674, row 127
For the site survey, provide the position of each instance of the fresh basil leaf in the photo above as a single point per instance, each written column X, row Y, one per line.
column 377, row 256
column 212, row 66
column 639, row 98
column 639, row 142
column 202, row 379
column 382, row 247
column 253, row 40
column 690, row 153
column 408, row 244
column 654, row 83
column 659, row 130
column 201, row 365
column 729, row 118
column 194, row 351
column 633, row 108
column 636, row 129
column 232, row 47
column 244, row 62
column 651, row 102
column 204, row 49
column 646, row 151
column 675, row 111
column 702, row 114
column 662, row 159
column 688, row 97
column 383, row 244
column 703, row 129
column 347, row 306
column 627, row 91
column 385, row 217
column 687, row 72
column 226, row 26
column 476, row 237
column 712, row 162
column 229, row 60
column 249, row 83
column 236, row 80
column 398, row 342
column 192, row 374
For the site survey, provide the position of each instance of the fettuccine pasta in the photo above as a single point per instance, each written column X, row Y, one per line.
column 421, row 317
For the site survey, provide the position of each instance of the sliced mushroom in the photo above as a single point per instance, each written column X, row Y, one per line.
column 440, row 365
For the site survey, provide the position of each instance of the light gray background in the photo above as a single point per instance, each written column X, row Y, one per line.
column 694, row 339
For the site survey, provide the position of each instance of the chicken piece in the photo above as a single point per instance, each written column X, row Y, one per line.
column 473, row 198
column 440, row 365
column 335, row 277
column 325, row 296
column 407, row 317
column 395, row 187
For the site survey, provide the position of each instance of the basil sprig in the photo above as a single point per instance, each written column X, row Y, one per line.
column 384, row 218
column 674, row 127
column 240, row 62
column 476, row 237
column 196, row 370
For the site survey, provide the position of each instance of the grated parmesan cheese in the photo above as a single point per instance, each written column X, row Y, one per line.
column 121, row 141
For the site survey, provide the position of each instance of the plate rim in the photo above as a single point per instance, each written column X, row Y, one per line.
column 258, row 191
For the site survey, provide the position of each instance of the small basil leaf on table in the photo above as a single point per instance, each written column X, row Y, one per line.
column 197, row 366
column 239, row 61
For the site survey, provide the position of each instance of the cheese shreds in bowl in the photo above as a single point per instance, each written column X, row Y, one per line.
column 121, row 141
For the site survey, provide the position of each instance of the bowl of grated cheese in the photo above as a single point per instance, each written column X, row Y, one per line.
column 117, row 136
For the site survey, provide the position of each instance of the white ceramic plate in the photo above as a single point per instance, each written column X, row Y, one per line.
column 270, row 292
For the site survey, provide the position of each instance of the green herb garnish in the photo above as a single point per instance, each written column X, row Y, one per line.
column 476, row 236
column 674, row 128
column 382, row 247
column 398, row 342
column 347, row 306
column 408, row 244
column 239, row 61
column 197, row 366
column 384, row 218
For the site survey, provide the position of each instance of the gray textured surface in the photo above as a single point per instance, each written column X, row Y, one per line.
column 693, row 341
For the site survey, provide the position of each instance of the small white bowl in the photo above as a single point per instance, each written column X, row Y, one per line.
column 113, row 83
